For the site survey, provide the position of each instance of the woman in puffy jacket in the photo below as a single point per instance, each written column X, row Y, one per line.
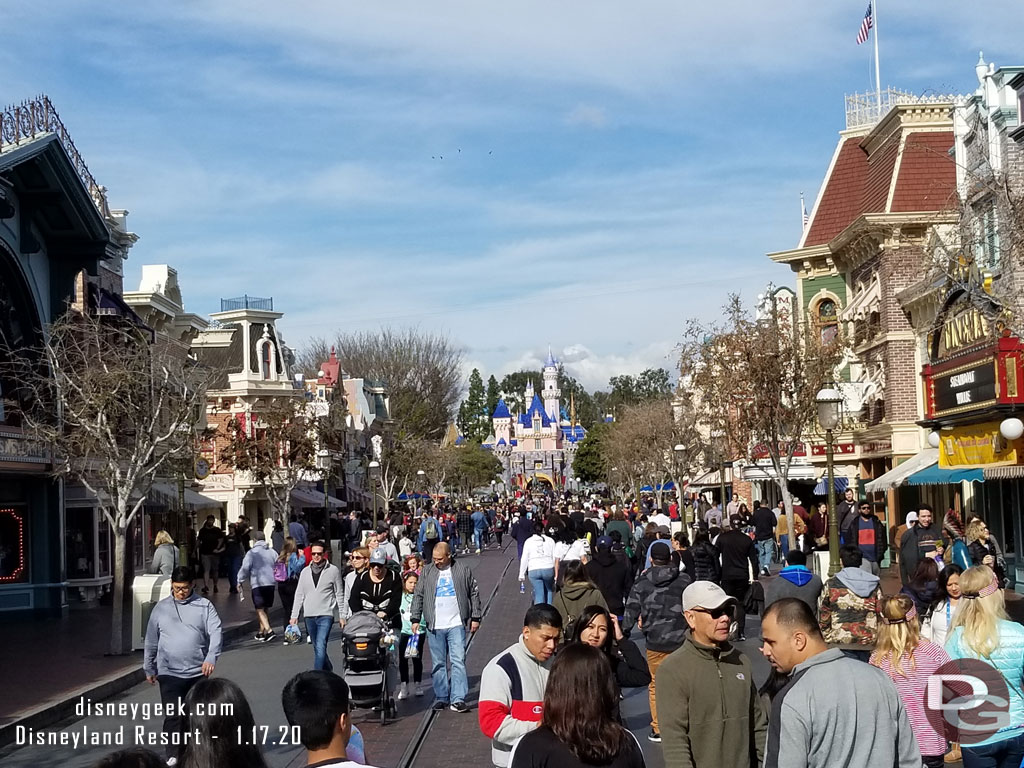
column 982, row 630
column 707, row 566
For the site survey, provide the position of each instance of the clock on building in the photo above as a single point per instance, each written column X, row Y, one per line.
column 202, row 469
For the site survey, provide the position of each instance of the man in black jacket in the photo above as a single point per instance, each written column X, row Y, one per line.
column 919, row 542
column 738, row 552
column 612, row 575
column 655, row 600
column 867, row 533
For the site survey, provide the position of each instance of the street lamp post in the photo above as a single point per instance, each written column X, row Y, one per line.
column 677, row 452
column 830, row 416
column 719, row 441
column 374, row 475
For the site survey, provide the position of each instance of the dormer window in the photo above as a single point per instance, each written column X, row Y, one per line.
column 536, row 423
column 266, row 353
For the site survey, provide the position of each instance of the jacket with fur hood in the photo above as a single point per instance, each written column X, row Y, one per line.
column 847, row 613
column 657, row 599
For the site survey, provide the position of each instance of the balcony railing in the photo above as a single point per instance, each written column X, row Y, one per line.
column 246, row 302
column 864, row 108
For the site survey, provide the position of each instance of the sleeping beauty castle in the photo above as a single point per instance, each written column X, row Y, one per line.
column 536, row 447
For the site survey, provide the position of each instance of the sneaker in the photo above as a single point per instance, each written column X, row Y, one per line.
column 258, row 636
column 417, row 691
column 215, row 590
column 309, row 639
column 741, row 638
column 478, row 551
column 403, row 691
column 654, row 736
column 269, row 636
column 460, row 707
column 205, row 592
column 172, row 761
column 439, row 705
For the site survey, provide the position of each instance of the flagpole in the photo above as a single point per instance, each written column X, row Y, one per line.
column 878, row 74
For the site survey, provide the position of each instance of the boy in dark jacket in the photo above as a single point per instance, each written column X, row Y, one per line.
column 655, row 600
column 612, row 575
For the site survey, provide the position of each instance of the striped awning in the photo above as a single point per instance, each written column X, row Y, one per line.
column 1006, row 472
column 821, row 489
column 898, row 475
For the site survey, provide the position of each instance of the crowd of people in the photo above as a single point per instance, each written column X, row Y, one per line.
column 622, row 598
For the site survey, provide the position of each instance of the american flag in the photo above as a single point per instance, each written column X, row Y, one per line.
column 865, row 26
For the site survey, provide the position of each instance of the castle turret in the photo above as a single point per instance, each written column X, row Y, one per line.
column 551, row 394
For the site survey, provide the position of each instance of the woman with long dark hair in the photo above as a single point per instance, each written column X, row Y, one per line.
column 599, row 629
column 937, row 625
column 225, row 714
column 705, row 559
column 923, row 587
column 580, row 726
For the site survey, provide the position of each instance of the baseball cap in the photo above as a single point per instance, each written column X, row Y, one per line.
column 660, row 551
column 705, row 594
column 378, row 557
column 664, row 529
column 604, row 542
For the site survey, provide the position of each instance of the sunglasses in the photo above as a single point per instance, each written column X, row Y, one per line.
column 716, row 613
column 357, row 557
column 316, row 554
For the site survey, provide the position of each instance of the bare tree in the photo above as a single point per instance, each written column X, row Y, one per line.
column 421, row 371
column 278, row 447
column 115, row 409
column 756, row 383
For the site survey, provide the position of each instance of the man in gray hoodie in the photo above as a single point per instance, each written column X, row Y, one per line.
column 834, row 710
column 183, row 641
column 258, row 569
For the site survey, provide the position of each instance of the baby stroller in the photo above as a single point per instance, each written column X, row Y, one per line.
column 366, row 640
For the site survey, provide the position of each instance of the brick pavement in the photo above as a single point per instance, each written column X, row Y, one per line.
column 456, row 739
column 261, row 671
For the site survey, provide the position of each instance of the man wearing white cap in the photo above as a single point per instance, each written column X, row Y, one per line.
column 700, row 729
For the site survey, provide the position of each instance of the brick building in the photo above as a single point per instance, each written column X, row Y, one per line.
column 890, row 182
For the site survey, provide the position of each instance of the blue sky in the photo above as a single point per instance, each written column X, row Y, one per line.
column 609, row 169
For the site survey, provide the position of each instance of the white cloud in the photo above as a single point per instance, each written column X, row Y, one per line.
column 587, row 115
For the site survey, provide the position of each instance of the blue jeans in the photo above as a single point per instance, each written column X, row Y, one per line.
column 543, row 583
column 784, row 544
column 448, row 645
column 765, row 550
column 478, row 536
column 1002, row 754
column 319, row 628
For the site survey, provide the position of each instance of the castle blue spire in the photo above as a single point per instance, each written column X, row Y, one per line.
column 550, row 362
column 501, row 410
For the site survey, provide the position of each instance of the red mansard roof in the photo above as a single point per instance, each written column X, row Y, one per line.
column 859, row 184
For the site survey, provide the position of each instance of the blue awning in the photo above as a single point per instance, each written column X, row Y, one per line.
column 821, row 489
column 669, row 486
column 936, row 475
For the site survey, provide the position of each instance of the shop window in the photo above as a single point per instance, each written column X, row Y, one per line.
column 104, row 547
column 13, row 546
column 826, row 318
column 80, row 542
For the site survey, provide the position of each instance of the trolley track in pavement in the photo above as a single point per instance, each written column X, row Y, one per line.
column 412, row 751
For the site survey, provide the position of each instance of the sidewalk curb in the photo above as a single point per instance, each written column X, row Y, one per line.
column 108, row 687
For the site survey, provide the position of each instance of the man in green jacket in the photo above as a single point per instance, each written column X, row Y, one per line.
column 699, row 729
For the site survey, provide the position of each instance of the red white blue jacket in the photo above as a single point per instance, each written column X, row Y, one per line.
column 511, row 698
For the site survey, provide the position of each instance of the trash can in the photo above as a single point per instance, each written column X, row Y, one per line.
column 147, row 590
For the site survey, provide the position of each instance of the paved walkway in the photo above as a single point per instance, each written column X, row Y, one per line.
column 261, row 670
column 63, row 658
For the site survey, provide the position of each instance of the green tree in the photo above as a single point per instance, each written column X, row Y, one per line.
column 514, row 384
column 475, row 466
column 473, row 420
column 589, row 464
column 493, row 395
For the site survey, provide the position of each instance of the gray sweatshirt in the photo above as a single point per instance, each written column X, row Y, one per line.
column 181, row 635
column 324, row 598
column 165, row 560
column 258, row 566
column 839, row 711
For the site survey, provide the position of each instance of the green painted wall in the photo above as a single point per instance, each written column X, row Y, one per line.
column 834, row 284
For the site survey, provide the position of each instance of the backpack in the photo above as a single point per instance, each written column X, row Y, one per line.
column 431, row 528
column 280, row 571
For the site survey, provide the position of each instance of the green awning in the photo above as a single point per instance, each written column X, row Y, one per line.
column 936, row 475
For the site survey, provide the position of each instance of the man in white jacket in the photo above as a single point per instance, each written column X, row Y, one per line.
column 258, row 569
column 319, row 594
